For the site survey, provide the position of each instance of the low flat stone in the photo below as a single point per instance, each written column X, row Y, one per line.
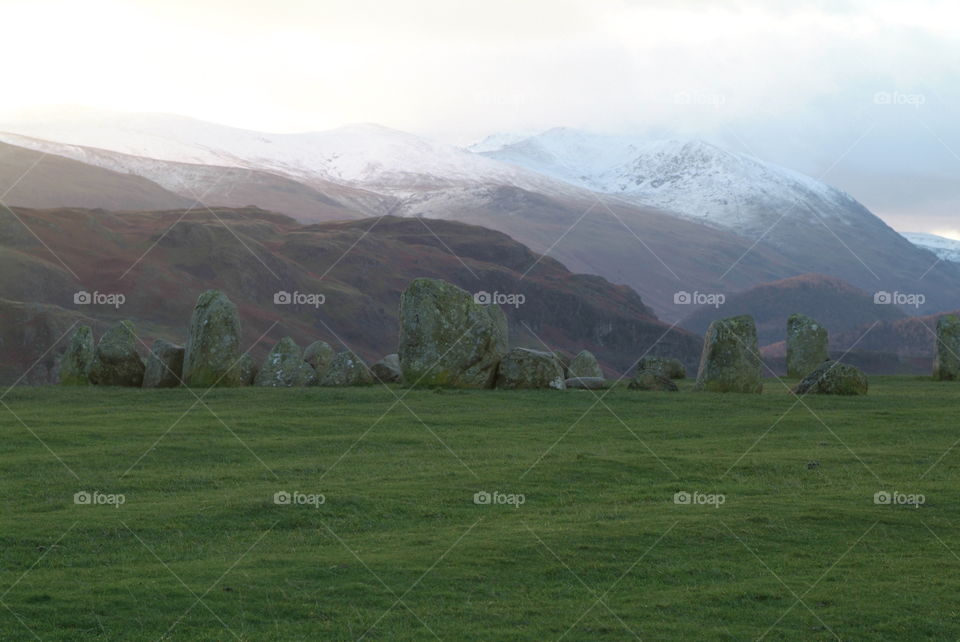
column 650, row 380
column 586, row 383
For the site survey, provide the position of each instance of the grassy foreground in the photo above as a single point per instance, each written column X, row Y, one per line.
column 399, row 550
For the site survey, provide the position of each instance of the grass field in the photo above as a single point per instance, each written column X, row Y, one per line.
column 399, row 550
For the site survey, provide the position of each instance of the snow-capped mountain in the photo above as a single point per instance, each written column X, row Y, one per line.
column 693, row 178
column 944, row 248
column 361, row 155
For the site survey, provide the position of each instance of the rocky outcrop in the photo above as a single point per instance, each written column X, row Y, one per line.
column 320, row 355
column 347, row 369
column 834, row 378
column 584, row 365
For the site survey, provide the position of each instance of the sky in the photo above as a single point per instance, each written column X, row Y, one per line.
column 861, row 94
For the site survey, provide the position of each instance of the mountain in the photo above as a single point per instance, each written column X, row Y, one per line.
column 33, row 179
column 161, row 261
column 659, row 216
column 944, row 248
column 837, row 305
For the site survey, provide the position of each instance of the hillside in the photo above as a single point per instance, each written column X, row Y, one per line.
column 359, row 266
column 839, row 306
column 42, row 180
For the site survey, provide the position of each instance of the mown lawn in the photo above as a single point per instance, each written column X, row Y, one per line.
column 399, row 550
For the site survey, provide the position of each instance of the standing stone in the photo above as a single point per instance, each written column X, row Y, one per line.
column 387, row 370
column 164, row 365
column 807, row 345
column 664, row 366
column 565, row 359
column 347, row 369
column 76, row 361
column 283, row 367
column 652, row 380
column 320, row 355
column 833, row 378
column 212, row 356
column 115, row 361
column 446, row 339
column 248, row 370
column 731, row 358
column 584, row 365
column 309, row 375
column 523, row 368
column 946, row 365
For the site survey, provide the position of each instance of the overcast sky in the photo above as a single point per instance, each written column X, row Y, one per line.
column 864, row 94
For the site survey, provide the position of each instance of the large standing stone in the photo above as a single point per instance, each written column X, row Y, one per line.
column 347, row 369
column 584, row 365
column 446, row 339
column 731, row 358
column 283, row 367
column 76, row 361
column 164, row 365
column 388, row 370
column 309, row 375
column 212, row 356
column 834, row 378
column 807, row 345
column 664, row 366
column 946, row 365
column 523, row 368
column 652, row 380
column 115, row 361
column 320, row 355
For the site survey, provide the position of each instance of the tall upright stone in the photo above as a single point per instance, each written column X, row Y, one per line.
column 212, row 356
column 807, row 345
column 731, row 357
column 320, row 355
column 946, row 365
column 76, row 361
column 116, row 361
column 447, row 339
column 164, row 365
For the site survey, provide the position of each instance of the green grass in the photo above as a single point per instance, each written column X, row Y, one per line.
column 400, row 551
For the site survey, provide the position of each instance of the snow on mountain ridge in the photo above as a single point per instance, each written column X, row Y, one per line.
column 944, row 248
